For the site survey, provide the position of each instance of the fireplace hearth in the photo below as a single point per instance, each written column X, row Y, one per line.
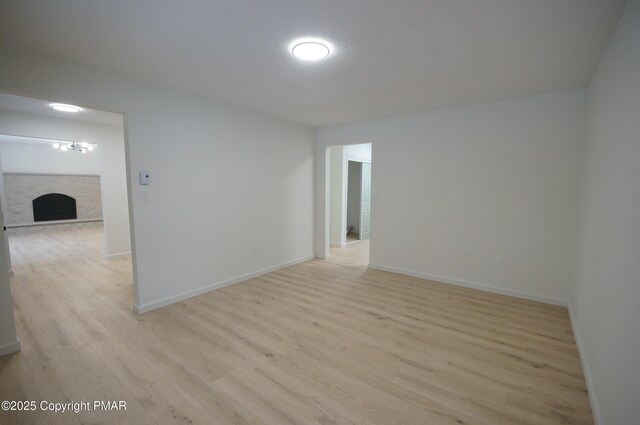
column 54, row 206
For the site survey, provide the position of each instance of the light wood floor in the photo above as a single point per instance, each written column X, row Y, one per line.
column 352, row 237
column 324, row 342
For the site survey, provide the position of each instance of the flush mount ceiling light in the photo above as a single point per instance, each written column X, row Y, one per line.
column 310, row 49
column 63, row 107
column 82, row 147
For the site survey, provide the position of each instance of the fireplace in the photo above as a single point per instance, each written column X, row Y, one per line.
column 54, row 206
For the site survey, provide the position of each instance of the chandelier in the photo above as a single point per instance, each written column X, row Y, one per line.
column 82, row 147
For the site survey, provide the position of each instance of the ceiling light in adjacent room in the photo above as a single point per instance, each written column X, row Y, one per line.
column 63, row 107
column 86, row 146
column 82, row 147
column 310, row 50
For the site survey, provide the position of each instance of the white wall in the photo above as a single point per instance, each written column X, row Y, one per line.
column 5, row 236
column 338, row 186
column 223, row 179
column 360, row 153
column 497, row 178
column 8, row 338
column 36, row 159
column 605, row 298
column 110, row 154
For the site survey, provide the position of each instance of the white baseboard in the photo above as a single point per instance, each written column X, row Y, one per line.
column 473, row 285
column 585, row 369
column 54, row 222
column 211, row 287
column 337, row 244
column 118, row 255
column 12, row 347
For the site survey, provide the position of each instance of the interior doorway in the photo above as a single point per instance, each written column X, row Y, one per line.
column 65, row 210
column 48, row 156
column 350, row 199
column 358, row 201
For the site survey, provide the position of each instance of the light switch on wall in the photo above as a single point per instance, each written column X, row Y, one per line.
column 145, row 178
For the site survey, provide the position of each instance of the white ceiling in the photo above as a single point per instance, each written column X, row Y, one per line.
column 39, row 106
column 392, row 56
column 36, row 141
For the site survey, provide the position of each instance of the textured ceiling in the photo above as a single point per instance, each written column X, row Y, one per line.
column 391, row 57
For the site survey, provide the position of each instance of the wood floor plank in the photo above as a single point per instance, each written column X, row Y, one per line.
column 323, row 342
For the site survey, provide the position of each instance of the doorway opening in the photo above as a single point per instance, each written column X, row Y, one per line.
column 64, row 193
column 358, row 201
column 350, row 200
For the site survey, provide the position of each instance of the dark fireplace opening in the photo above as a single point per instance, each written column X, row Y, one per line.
column 54, row 206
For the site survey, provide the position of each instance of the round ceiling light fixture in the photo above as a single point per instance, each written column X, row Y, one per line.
column 63, row 107
column 310, row 49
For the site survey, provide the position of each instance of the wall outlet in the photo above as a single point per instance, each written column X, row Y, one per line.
column 466, row 255
column 146, row 197
column 254, row 249
column 498, row 260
